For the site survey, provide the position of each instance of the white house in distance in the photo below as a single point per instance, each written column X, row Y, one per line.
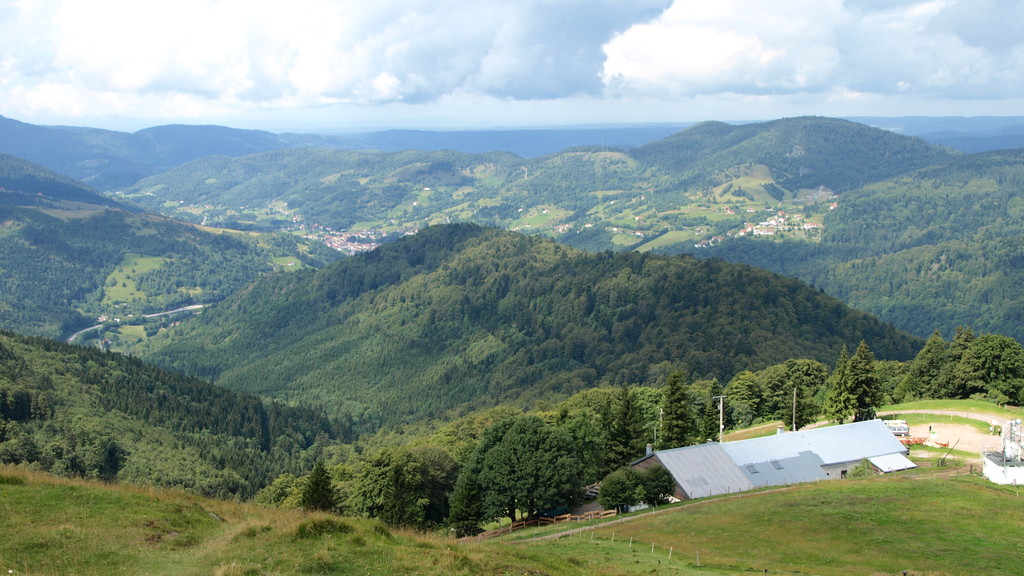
column 790, row 458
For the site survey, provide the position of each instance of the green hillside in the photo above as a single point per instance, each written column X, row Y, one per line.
column 704, row 181
column 936, row 248
column 81, row 412
column 923, row 523
column 69, row 256
column 462, row 316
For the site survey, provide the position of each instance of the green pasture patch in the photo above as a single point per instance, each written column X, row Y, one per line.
column 757, row 431
column 540, row 217
column 669, row 238
column 606, row 193
column 978, row 407
column 366, row 225
column 120, row 285
column 625, row 239
column 286, row 263
column 919, row 419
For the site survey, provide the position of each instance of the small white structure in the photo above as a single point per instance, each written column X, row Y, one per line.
column 1006, row 465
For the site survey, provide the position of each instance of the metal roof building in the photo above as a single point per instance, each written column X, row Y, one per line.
column 791, row 458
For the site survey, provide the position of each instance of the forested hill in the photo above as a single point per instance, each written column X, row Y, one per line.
column 23, row 183
column 107, row 159
column 706, row 180
column 464, row 316
column 933, row 249
column 78, row 411
column 69, row 256
column 801, row 153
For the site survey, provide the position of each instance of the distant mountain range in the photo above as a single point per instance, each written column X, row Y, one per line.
column 110, row 160
column 798, row 183
column 967, row 134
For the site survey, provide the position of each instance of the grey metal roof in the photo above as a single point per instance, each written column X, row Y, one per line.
column 704, row 470
column 805, row 467
column 833, row 444
column 790, row 458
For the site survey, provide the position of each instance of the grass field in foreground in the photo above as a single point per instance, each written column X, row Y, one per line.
column 917, row 522
column 920, row 521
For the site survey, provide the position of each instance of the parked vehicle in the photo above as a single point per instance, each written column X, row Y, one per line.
column 898, row 427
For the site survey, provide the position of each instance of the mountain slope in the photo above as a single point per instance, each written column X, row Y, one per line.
column 108, row 159
column 23, row 183
column 78, row 411
column 801, row 153
column 936, row 248
column 67, row 253
column 462, row 316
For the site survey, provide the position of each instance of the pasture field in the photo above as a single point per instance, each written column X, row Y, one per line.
column 935, row 521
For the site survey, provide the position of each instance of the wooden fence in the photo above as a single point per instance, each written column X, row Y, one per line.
column 546, row 521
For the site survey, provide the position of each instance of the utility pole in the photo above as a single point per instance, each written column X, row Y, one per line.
column 721, row 416
column 794, row 409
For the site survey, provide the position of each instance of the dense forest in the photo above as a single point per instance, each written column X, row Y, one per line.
column 77, row 411
column 934, row 249
column 460, row 316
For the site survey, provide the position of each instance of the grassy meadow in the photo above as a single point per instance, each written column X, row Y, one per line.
column 937, row 521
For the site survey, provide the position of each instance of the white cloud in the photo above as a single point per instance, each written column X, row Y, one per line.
column 309, row 52
column 746, row 46
column 941, row 48
column 209, row 58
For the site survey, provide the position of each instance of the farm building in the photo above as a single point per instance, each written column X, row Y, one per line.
column 1006, row 466
column 791, row 458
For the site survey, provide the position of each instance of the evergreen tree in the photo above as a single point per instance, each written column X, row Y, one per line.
column 707, row 427
column 625, row 435
column 840, row 401
column 929, row 372
column 865, row 385
column 318, row 493
column 677, row 419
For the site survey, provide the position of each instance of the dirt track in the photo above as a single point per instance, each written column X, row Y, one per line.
column 966, row 438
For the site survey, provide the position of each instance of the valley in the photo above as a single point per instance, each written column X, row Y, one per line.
column 361, row 343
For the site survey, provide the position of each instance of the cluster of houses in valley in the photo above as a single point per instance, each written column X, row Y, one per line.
column 779, row 222
column 350, row 244
column 786, row 458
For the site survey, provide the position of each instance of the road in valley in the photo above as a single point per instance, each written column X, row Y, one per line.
column 156, row 315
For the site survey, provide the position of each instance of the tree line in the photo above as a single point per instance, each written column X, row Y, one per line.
column 505, row 463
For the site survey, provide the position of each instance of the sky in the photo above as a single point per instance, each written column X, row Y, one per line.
column 345, row 64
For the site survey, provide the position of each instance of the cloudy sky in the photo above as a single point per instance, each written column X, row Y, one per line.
column 310, row 64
